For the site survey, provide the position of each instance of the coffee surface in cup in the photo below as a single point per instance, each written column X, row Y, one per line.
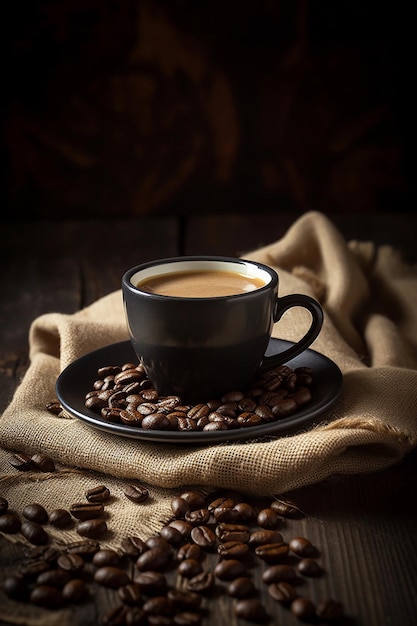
column 200, row 284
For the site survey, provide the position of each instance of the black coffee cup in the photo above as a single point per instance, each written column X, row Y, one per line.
column 199, row 346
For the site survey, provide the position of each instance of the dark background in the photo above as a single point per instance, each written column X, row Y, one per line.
column 186, row 107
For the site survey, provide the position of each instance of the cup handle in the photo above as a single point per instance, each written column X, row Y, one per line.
column 282, row 305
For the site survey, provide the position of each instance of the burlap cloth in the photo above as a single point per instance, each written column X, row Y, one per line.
column 369, row 296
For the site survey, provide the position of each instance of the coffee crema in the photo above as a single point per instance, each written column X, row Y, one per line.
column 200, row 284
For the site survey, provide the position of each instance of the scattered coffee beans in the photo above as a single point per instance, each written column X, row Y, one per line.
column 124, row 394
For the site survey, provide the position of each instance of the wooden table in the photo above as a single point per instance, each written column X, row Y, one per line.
column 365, row 525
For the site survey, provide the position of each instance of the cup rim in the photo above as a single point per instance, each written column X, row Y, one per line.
column 128, row 284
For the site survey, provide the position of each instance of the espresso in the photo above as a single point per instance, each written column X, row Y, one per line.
column 200, row 284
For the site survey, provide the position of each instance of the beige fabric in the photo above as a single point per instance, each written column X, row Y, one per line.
column 370, row 330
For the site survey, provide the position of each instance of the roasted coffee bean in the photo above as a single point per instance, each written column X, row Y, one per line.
column 151, row 582
column 229, row 569
column 105, row 556
column 133, row 546
column 108, row 370
column 47, row 597
column 232, row 550
column 309, row 567
column 92, row 528
column 245, row 511
column 303, row 608
column 248, row 419
column 203, row 536
column 54, row 407
column 282, row 592
column 136, row 493
column 4, row 505
column 189, row 551
column 187, row 618
column 85, row 548
column 130, row 594
column 329, row 610
column 54, row 578
column 21, row 462
column 156, row 541
column 46, row 553
column 194, row 499
column 112, row 577
column 100, row 493
column 35, row 512
column 86, row 510
column 302, row 546
column 10, row 523
column 198, row 411
column 189, row 568
column 232, row 532
column 272, row 552
column 251, row 610
column 260, row 537
column 268, row 518
column 198, row 516
column 182, row 526
column 153, row 559
column 285, row 508
column 284, row 408
column 169, row 403
column 241, row 587
column 180, row 506
column 202, row 583
column 228, row 515
column 146, row 408
column 125, row 377
column 71, row 562
column 184, row 599
column 43, row 462
column 75, row 590
column 34, row 533
column 171, row 534
column 186, row 424
column 113, row 415
column 159, row 605
column 278, row 573
column 211, row 426
column 60, row 518
column 16, row 588
column 33, row 569
column 155, row 421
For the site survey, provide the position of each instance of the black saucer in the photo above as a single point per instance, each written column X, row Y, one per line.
column 77, row 379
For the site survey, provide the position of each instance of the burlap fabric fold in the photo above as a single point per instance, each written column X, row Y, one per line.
column 369, row 296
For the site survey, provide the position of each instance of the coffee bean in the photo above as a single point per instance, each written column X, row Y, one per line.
column 53, row 578
column 75, row 591
column 60, row 518
column 151, row 582
column 54, row 407
column 179, row 506
column 101, row 493
column 21, row 462
column 71, row 562
column 232, row 532
column 251, row 610
column 185, row 599
column 329, row 610
column 153, row 559
column 136, row 493
column 203, row 536
column 34, row 533
column 92, row 528
column 47, row 597
column 133, row 546
column 309, row 567
column 10, row 523
column 260, row 537
column 130, row 594
column 272, row 552
column 189, row 568
column 156, row 541
column 302, row 546
column 189, row 551
column 16, row 588
column 194, row 499
column 116, row 616
column 232, row 550
column 268, row 518
column 282, row 592
column 36, row 513
column 105, row 557
column 303, row 608
column 229, row 569
column 278, row 573
column 198, row 516
column 182, row 526
column 285, row 507
column 112, row 577
column 159, row 605
column 135, row 616
column 86, row 510
column 245, row 511
column 202, row 583
column 84, row 548
column 171, row 534
column 43, row 462
column 155, row 421
column 241, row 587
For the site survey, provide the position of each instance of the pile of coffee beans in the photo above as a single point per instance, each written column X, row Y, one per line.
column 220, row 544
column 125, row 395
